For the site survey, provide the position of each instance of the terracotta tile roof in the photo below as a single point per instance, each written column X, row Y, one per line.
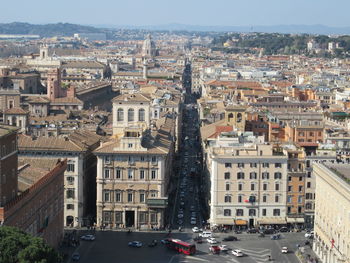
column 38, row 99
column 66, row 100
column 17, row 111
column 208, row 130
column 219, row 130
column 130, row 98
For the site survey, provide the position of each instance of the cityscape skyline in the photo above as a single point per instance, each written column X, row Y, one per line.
column 155, row 12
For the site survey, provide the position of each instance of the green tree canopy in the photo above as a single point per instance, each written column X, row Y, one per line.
column 17, row 246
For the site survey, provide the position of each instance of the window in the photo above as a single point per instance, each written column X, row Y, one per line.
column 154, row 159
column 153, row 174
column 130, row 114
column 70, row 180
column 142, row 197
column 227, row 175
column 308, row 185
column 289, row 209
column 118, row 196
column 252, row 187
column 70, row 193
column 70, row 167
column 240, row 175
column 278, row 175
column 130, row 160
column 106, row 174
column 300, row 209
column 239, row 117
column 107, row 217
column 278, row 165
column 265, row 175
column 300, row 199
column 227, row 212
column 129, row 145
column 143, row 217
column 240, row 187
column 154, row 194
column 289, row 188
column 118, row 173
column 266, row 165
column 120, row 115
column 309, row 174
column 107, row 159
column 277, row 187
column 308, row 206
column 252, row 175
column 227, row 187
column 277, row 198
column 239, row 212
column 106, row 196
column 253, row 165
column 154, row 218
column 289, row 198
column 142, row 174
column 118, row 217
column 227, row 199
column 240, row 199
column 240, row 165
column 300, row 178
column 264, row 198
column 276, row 212
column 308, row 196
column 142, row 158
column 130, row 173
column 252, row 212
column 300, row 188
column 264, row 212
column 289, row 178
column 141, row 115
column 70, row 207
column 129, row 197
column 228, row 165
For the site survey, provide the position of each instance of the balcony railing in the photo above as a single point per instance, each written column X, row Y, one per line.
column 157, row 202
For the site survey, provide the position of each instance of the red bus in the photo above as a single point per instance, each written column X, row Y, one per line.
column 181, row 246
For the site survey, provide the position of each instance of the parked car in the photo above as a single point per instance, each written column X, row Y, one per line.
column 76, row 256
column 135, row 244
column 223, row 248
column 252, row 231
column 284, row 250
column 269, row 231
column 230, row 238
column 214, row 249
column 88, row 237
column 237, row 253
column 237, row 231
column 310, row 234
column 284, row 229
column 212, row 240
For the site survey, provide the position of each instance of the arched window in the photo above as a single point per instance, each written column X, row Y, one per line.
column 141, row 115
column 227, row 212
column 227, row 199
column 230, row 116
column 130, row 114
column 239, row 117
column 120, row 115
column 308, row 206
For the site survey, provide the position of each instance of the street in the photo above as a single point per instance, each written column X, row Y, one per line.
column 112, row 246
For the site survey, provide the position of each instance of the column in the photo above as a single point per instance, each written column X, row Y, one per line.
column 124, row 217
column 136, row 219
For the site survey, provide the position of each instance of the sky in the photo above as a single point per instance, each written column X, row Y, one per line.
column 191, row 12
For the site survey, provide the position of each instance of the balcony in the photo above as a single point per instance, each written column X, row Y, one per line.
column 157, row 202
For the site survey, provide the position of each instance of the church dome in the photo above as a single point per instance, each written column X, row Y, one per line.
column 148, row 47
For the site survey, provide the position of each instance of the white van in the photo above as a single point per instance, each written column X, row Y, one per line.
column 205, row 234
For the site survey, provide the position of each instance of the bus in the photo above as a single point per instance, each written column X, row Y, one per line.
column 181, row 246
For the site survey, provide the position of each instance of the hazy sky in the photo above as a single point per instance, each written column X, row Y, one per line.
column 194, row 12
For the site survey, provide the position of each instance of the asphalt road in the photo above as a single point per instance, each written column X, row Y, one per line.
column 112, row 247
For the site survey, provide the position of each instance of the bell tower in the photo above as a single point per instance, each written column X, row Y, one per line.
column 235, row 115
column 44, row 52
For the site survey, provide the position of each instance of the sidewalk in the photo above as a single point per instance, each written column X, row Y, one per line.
column 306, row 255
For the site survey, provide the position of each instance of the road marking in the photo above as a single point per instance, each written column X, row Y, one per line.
column 172, row 258
column 196, row 258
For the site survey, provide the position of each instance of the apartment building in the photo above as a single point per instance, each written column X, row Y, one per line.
column 134, row 167
column 332, row 217
column 80, row 176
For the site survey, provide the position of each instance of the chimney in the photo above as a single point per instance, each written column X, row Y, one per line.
column 71, row 92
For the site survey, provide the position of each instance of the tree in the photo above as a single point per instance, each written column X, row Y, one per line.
column 18, row 246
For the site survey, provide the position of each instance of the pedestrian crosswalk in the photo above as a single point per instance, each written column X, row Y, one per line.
column 259, row 255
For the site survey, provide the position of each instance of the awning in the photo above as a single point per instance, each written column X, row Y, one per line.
column 272, row 221
column 240, row 222
column 295, row 220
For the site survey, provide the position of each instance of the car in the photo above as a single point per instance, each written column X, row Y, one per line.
column 252, row 231
column 180, row 215
column 205, row 234
column 283, row 229
column 193, row 222
column 284, row 250
column 223, row 248
column 310, row 234
column 182, row 203
column 88, row 237
column 76, row 256
column 135, row 244
column 269, row 231
column 237, row 231
column 192, row 208
column 214, row 249
column 230, row 238
column 237, row 253
column 212, row 240
column 164, row 241
column 275, row 237
column 180, row 221
column 196, row 230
